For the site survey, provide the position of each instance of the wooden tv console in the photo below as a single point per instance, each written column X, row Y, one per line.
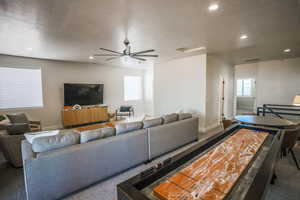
column 84, row 116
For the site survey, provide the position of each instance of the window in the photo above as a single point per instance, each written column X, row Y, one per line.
column 132, row 88
column 245, row 87
column 20, row 88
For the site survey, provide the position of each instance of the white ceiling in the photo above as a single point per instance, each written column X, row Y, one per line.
column 74, row 29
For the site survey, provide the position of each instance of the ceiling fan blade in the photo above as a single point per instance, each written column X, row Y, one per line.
column 147, row 55
column 141, row 59
column 109, row 59
column 140, row 52
column 110, row 51
column 106, row 55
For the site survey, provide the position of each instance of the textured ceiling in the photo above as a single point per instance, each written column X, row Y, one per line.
column 74, row 29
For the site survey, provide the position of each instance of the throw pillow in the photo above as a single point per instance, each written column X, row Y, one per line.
column 125, row 108
column 2, row 118
column 17, row 118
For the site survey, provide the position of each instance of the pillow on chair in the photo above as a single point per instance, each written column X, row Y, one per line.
column 125, row 108
column 17, row 118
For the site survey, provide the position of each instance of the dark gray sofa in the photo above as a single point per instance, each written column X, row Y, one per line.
column 57, row 173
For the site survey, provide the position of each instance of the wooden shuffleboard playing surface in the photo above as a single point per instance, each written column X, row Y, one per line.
column 212, row 176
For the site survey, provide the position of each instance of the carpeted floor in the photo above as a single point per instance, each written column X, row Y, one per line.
column 287, row 186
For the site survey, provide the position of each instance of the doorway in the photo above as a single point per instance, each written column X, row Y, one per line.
column 245, row 96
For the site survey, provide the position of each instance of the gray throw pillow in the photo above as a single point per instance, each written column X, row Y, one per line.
column 182, row 116
column 127, row 127
column 17, row 118
column 152, row 122
column 170, row 118
column 48, row 143
column 100, row 133
column 17, row 128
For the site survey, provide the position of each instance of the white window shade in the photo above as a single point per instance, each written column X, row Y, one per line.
column 132, row 88
column 245, row 87
column 20, row 88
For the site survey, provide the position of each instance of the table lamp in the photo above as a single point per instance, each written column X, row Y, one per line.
column 297, row 100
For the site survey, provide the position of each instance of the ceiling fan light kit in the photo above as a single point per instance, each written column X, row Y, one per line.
column 126, row 52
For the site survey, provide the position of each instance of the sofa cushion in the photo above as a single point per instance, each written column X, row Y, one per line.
column 182, row 116
column 127, row 127
column 90, row 135
column 170, row 118
column 17, row 118
column 152, row 122
column 48, row 143
column 17, row 128
column 33, row 135
column 108, row 132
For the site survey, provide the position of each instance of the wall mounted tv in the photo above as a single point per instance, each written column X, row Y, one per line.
column 83, row 94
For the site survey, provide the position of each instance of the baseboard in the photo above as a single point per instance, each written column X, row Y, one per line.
column 209, row 128
column 52, row 127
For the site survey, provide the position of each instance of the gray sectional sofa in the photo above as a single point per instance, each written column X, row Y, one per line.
column 79, row 160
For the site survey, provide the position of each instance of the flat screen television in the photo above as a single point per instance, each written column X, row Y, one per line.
column 83, row 94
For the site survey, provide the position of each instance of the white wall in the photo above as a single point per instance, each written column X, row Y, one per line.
column 179, row 85
column 277, row 81
column 148, row 91
column 217, row 69
column 55, row 73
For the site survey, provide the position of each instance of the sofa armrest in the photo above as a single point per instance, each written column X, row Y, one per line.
column 27, row 152
column 11, row 147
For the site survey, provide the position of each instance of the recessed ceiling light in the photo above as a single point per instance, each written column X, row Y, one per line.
column 213, row 7
column 29, row 48
column 243, row 37
column 91, row 57
column 287, row 50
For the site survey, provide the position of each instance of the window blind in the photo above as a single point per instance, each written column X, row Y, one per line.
column 132, row 88
column 20, row 88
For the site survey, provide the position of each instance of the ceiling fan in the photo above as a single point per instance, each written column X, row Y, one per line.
column 127, row 52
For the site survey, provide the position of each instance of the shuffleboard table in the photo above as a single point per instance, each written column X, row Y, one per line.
column 237, row 163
